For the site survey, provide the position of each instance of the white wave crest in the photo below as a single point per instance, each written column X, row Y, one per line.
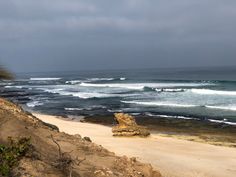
column 169, row 116
column 91, row 80
column 74, row 109
column 222, row 121
column 213, row 92
column 84, row 95
column 170, row 90
column 51, row 90
column 126, row 86
column 154, row 103
column 140, row 86
column 115, row 110
column 74, row 82
column 18, row 87
column 34, row 104
column 5, row 84
column 229, row 107
column 100, row 79
column 45, row 79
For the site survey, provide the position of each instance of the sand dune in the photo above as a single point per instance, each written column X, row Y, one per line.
column 173, row 157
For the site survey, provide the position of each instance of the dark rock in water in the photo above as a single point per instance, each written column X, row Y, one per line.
column 87, row 139
column 127, row 126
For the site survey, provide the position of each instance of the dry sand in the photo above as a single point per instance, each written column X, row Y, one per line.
column 172, row 157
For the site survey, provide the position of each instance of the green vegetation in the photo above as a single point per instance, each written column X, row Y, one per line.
column 11, row 153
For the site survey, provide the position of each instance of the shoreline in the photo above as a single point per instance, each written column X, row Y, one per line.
column 187, row 129
column 168, row 155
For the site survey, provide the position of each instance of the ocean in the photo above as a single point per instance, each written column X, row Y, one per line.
column 193, row 93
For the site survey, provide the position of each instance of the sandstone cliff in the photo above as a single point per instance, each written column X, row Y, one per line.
column 127, row 126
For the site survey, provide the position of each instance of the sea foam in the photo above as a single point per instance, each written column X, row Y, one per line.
column 213, row 92
column 74, row 109
column 170, row 116
column 34, row 104
column 154, row 103
column 83, row 95
column 88, row 80
column 171, row 90
column 74, row 82
column 45, row 79
column 229, row 107
column 222, row 121
column 100, row 79
column 141, row 86
column 17, row 86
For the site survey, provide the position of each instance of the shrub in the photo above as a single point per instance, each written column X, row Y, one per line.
column 4, row 74
column 10, row 154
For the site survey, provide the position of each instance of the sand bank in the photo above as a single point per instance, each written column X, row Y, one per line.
column 173, row 157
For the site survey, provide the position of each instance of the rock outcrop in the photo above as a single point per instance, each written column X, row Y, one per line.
column 127, row 126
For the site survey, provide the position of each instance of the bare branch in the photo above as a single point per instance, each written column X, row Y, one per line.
column 59, row 147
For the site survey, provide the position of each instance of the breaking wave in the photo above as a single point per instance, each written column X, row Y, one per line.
column 34, row 104
column 88, row 80
column 231, row 108
column 225, row 121
column 171, row 90
column 141, row 86
column 154, row 103
column 213, row 92
column 17, row 86
column 222, row 121
column 45, row 79
column 83, row 95
column 74, row 109
column 170, row 116
column 74, row 82
column 100, row 79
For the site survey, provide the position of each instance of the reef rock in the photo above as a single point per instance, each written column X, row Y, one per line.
column 127, row 126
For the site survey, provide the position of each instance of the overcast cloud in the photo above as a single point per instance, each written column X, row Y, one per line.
column 110, row 34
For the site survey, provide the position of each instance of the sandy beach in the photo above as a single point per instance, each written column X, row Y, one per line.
column 173, row 157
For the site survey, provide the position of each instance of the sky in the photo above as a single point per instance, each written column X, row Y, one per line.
column 64, row 35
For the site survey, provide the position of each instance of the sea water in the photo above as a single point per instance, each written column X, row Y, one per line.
column 193, row 93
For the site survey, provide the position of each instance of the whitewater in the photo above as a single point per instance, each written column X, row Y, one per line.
column 176, row 95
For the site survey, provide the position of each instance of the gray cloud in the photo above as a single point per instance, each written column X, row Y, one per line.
column 89, row 34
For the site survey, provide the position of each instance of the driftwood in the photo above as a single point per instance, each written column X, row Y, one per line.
column 65, row 161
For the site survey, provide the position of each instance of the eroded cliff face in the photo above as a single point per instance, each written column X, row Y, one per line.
column 58, row 154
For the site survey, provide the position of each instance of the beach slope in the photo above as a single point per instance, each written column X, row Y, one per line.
column 172, row 157
column 38, row 149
